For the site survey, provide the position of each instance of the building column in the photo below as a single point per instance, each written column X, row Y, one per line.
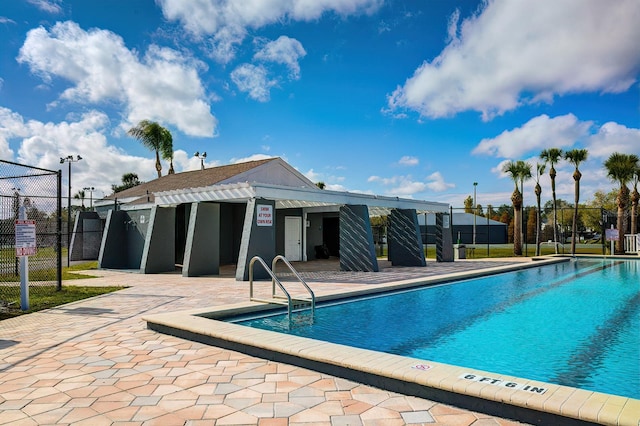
column 202, row 248
column 258, row 238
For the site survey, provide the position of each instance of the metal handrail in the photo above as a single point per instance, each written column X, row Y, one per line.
column 274, row 281
column 302, row 281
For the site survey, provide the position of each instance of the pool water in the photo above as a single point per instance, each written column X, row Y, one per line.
column 573, row 323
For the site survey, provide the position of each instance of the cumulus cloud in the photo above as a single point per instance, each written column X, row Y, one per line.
column 284, row 50
column 163, row 85
column 408, row 160
column 613, row 137
column 42, row 144
column 539, row 133
column 254, row 80
column 225, row 22
column 406, row 186
column 514, row 53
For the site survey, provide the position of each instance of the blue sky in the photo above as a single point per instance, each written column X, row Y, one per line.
column 409, row 98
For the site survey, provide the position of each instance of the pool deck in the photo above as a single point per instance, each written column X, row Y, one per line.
column 95, row 362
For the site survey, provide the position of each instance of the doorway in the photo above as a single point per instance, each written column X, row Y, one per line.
column 293, row 238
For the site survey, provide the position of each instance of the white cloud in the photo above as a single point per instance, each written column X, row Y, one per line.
column 436, row 182
column 163, row 86
column 227, row 21
column 284, row 50
column 253, row 157
column 5, row 20
column 512, row 53
column 408, row 160
column 42, row 145
column 49, row 6
column 613, row 137
column 253, row 79
column 539, row 133
column 406, row 186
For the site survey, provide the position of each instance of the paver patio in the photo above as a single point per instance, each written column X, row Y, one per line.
column 94, row 362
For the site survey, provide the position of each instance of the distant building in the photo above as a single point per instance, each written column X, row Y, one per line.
column 486, row 230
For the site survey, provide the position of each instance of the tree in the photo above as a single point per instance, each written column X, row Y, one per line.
column 80, row 196
column 129, row 180
column 468, row 204
column 321, row 185
column 575, row 157
column 592, row 214
column 156, row 138
column 518, row 172
column 552, row 156
column 621, row 168
column 538, row 191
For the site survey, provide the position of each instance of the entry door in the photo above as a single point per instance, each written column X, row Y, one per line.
column 293, row 238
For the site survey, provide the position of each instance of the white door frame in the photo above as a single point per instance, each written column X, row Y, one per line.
column 293, row 238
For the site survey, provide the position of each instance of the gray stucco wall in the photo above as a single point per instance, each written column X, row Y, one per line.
column 257, row 240
column 202, row 250
column 314, row 234
column 160, row 245
column 123, row 239
column 357, row 252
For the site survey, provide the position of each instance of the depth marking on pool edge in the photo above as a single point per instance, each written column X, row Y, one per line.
column 503, row 383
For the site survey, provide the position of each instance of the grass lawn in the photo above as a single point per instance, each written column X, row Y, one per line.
column 46, row 296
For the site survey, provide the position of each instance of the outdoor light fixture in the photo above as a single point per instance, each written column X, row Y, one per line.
column 69, row 159
column 201, row 157
column 90, row 189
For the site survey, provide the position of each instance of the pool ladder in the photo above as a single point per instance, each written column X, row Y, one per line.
column 293, row 304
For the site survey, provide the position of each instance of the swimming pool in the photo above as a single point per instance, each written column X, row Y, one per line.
column 573, row 323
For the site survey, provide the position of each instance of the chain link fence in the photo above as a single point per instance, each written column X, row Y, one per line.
column 38, row 191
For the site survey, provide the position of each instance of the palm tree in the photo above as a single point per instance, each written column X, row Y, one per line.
column 621, row 168
column 156, row 138
column 518, row 172
column 552, row 156
column 81, row 196
column 524, row 173
column 575, row 157
column 539, row 172
column 635, row 198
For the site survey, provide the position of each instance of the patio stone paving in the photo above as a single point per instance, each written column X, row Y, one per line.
column 94, row 362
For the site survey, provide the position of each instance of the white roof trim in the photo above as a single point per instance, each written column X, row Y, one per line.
column 289, row 197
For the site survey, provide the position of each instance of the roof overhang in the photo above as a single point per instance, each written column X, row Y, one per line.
column 289, row 197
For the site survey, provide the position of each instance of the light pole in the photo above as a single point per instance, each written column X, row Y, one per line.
column 90, row 189
column 201, row 157
column 475, row 211
column 69, row 159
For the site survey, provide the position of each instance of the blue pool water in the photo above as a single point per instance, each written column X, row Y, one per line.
column 574, row 323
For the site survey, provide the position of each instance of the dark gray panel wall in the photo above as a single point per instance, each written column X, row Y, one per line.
column 444, row 244
column 160, row 243
column 202, row 250
column 405, row 243
column 314, row 234
column 357, row 252
column 256, row 241
column 113, row 249
column 87, row 236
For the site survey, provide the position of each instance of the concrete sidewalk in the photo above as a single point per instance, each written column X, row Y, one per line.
column 94, row 362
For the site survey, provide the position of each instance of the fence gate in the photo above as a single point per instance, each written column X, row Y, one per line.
column 38, row 191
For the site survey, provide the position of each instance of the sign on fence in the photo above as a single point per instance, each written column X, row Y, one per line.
column 25, row 238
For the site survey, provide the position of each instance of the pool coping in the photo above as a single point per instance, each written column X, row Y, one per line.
column 477, row 390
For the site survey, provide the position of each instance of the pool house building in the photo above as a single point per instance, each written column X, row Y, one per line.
column 199, row 220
